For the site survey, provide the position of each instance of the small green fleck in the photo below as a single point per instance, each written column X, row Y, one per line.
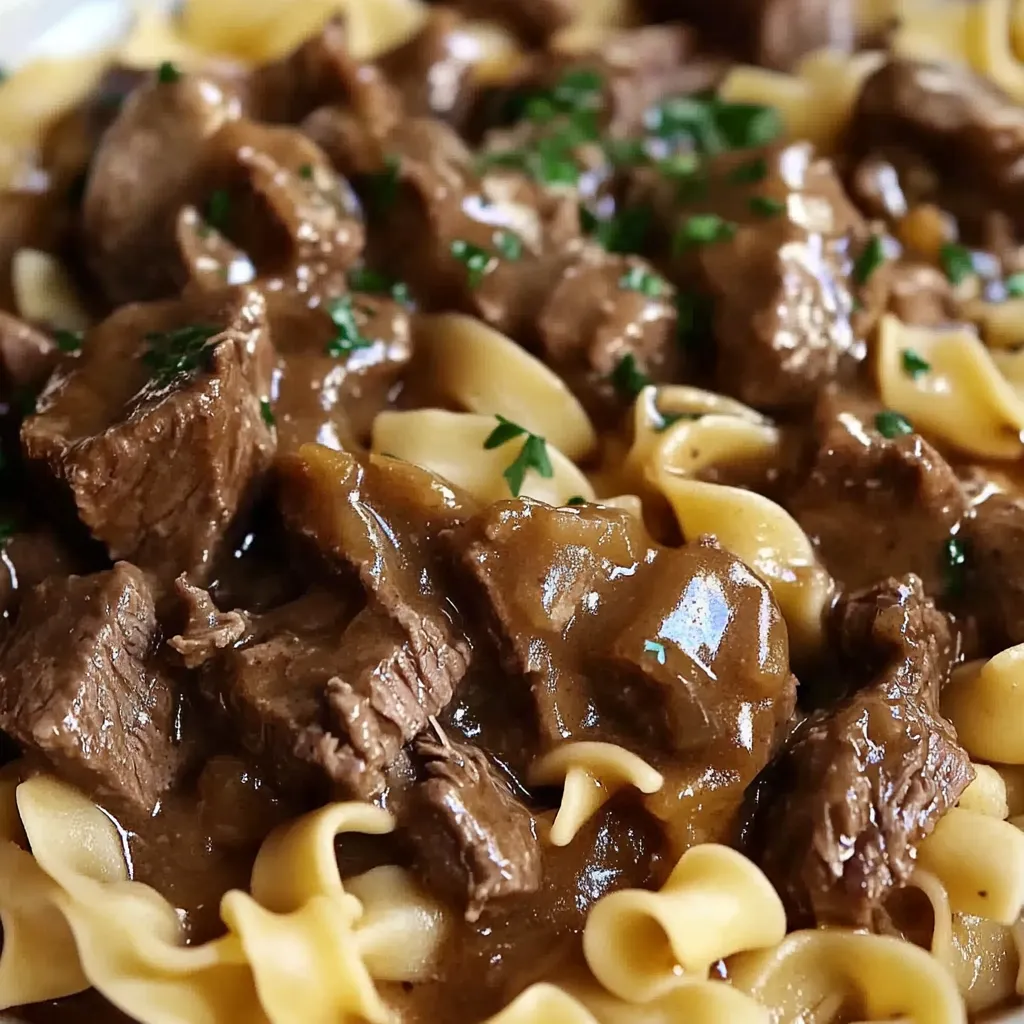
column 382, row 187
column 180, row 350
column 504, row 432
column 509, row 245
column 954, row 563
column 870, row 259
column 625, row 152
column 891, row 424
column 577, row 499
column 1014, row 285
column 627, row 231
column 266, row 413
column 167, row 73
column 347, row 338
column 679, row 165
column 373, row 282
column 578, row 89
column 766, row 206
column 749, row 173
column 628, row 379
column 658, row 650
column 640, row 279
column 306, row 172
column 68, row 341
column 702, row 229
column 957, row 261
column 533, row 455
column 218, row 208
column 478, row 262
column 913, row 365
column 746, row 125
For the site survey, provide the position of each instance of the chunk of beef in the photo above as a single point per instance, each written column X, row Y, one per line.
column 156, row 431
column 207, row 630
column 27, row 557
column 26, row 356
column 858, row 787
column 532, row 20
column 874, row 506
column 662, row 650
column 80, row 694
column 994, row 585
column 593, row 319
column 773, row 33
column 475, row 841
column 964, row 127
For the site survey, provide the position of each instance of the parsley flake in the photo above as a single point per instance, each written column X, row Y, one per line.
column 913, row 365
column 382, row 187
column 892, row 424
column 713, row 124
column 626, row 232
column 658, row 650
column 749, row 173
column 577, row 499
column 628, row 379
column 870, row 259
column 1014, row 285
column 533, row 455
column 267, row 413
column 509, row 245
column 306, row 172
column 68, row 341
column 954, row 565
column 373, row 282
column 218, row 208
column 181, row 350
column 766, row 206
column 957, row 261
column 478, row 262
column 702, row 229
column 347, row 337
column 640, row 279
column 168, row 73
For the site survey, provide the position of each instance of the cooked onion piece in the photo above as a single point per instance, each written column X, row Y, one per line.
column 45, row 293
column 873, row 977
column 715, row 903
column 963, row 399
column 451, row 445
column 591, row 774
column 460, row 360
column 985, row 702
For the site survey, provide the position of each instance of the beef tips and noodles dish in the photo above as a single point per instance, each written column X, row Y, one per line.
column 514, row 511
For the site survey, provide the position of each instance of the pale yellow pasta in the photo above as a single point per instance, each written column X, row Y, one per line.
column 544, row 1004
column 155, row 37
column 1001, row 323
column 590, row 774
column 463, row 362
column 766, row 537
column 985, row 701
column 401, row 928
column 452, row 446
column 980, row 861
column 986, row 794
column 640, row 945
column 44, row 292
column 594, row 23
column 1013, row 779
column 962, row 400
column 830, row 975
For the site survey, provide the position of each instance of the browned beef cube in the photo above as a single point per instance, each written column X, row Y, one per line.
column 80, row 695
column 994, row 562
column 858, row 787
column 157, row 432
column 474, row 840
column 899, row 498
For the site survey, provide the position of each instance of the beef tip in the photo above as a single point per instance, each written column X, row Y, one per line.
column 156, row 431
column 778, row 279
column 857, row 788
column 533, row 21
column 27, row 356
column 80, row 694
column 964, row 128
column 993, row 540
column 207, row 630
column 772, row 33
column 603, row 310
column 916, row 293
column 875, row 506
column 475, row 841
column 334, row 374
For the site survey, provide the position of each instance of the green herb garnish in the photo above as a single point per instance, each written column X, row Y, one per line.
column 181, row 350
column 68, row 341
column 749, row 173
column 372, row 282
column 577, row 499
column 766, row 206
column 533, row 455
column 702, row 229
column 954, row 565
column 168, row 73
column 306, row 172
column 1014, row 285
column 478, row 262
column 913, row 365
column 870, row 259
column 713, row 124
column 625, row 152
column 382, row 187
column 267, row 413
column 640, row 279
column 658, row 650
column 509, row 245
column 891, row 424
column 628, row 379
column 957, row 261
column 627, row 231
column 218, row 208
column 347, row 337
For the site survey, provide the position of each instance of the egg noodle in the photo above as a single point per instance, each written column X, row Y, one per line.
column 303, row 945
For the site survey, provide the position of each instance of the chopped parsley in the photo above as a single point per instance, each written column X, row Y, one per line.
column 578, row 89
column 267, row 413
column 658, row 650
column 714, row 125
column 382, row 187
column 181, row 350
column 626, row 232
column 628, row 379
column 749, row 173
column 640, row 279
column 373, row 282
column 478, row 262
column 533, row 455
column 766, row 206
column 913, row 365
column 870, row 259
column 168, row 73
column 702, row 229
column 625, row 152
column 347, row 336
column 509, row 245
column 679, row 165
column 306, row 172
column 218, row 208
column 577, row 499
column 892, row 424
column 1014, row 285
column 68, row 341
column 954, row 566
column 957, row 261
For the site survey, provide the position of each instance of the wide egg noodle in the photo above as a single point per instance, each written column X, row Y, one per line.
column 986, row 794
column 985, row 702
column 640, row 945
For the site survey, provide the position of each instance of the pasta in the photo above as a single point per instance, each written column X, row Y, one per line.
column 980, row 701
column 45, row 293
column 640, row 945
column 591, row 774
column 986, row 794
